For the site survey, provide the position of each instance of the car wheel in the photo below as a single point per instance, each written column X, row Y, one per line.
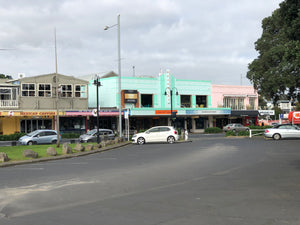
column 276, row 136
column 30, row 143
column 170, row 139
column 247, row 129
column 141, row 141
column 54, row 141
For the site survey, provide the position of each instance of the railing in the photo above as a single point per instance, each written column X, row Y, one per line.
column 251, row 135
column 9, row 104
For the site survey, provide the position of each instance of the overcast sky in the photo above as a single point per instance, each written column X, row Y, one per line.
column 194, row 39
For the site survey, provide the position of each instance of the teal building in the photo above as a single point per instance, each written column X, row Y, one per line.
column 147, row 101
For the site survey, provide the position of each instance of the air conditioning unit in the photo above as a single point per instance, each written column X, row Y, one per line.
column 21, row 75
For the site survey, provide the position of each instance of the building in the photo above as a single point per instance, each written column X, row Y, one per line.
column 30, row 103
column 148, row 101
column 242, row 100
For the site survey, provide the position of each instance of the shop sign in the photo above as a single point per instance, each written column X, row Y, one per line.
column 209, row 112
column 164, row 112
column 28, row 113
column 130, row 96
column 266, row 112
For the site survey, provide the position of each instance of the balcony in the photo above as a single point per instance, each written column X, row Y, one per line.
column 9, row 104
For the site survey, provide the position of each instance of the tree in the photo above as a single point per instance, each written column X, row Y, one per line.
column 3, row 76
column 276, row 71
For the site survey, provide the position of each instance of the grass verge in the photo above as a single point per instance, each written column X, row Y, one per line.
column 15, row 153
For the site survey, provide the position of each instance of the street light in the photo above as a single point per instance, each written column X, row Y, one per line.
column 119, row 71
column 98, row 84
column 171, row 95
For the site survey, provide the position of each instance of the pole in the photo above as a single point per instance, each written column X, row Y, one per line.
column 119, row 80
column 171, row 95
column 56, row 81
column 97, row 86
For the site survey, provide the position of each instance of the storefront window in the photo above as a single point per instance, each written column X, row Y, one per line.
column 201, row 101
column 72, row 124
column 27, row 126
column 200, row 123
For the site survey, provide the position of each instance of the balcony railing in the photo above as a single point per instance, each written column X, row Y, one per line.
column 7, row 104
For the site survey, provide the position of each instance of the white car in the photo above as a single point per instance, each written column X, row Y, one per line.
column 156, row 134
column 283, row 131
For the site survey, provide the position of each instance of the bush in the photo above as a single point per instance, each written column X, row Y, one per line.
column 213, row 130
column 243, row 133
column 230, row 133
column 11, row 137
column 70, row 135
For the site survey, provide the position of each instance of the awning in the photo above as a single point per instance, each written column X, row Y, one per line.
column 250, row 113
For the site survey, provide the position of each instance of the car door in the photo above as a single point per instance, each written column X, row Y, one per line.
column 40, row 137
column 294, row 132
column 163, row 134
column 152, row 135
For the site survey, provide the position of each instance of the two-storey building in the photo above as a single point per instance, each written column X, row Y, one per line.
column 242, row 100
column 31, row 103
column 148, row 101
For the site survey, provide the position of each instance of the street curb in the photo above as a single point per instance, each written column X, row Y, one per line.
column 51, row 158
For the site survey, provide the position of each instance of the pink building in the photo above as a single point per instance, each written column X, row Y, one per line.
column 243, row 101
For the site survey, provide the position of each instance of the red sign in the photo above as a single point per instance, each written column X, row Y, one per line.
column 294, row 117
column 164, row 112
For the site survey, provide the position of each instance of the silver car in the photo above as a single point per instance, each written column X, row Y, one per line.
column 39, row 137
column 235, row 127
column 91, row 136
column 282, row 131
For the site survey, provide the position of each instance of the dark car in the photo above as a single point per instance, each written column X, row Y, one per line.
column 39, row 137
column 91, row 136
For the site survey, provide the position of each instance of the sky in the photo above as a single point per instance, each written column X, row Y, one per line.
column 193, row 39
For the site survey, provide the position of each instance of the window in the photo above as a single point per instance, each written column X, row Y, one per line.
column 185, row 101
column 236, row 103
column 80, row 91
column 201, row 101
column 66, row 91
column 28, row 90
column 147, row 100
column 44, row 90
column 252, row 103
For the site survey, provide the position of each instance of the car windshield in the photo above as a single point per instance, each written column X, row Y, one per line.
column 91, row 132
column 32, row 133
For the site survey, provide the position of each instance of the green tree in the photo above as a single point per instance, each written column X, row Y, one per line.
column 276, row 71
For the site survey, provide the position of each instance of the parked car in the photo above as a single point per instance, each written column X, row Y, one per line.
column 235, row 127
column 39, row 137
column 91, row 136
column 282, row 131
column 156, row 134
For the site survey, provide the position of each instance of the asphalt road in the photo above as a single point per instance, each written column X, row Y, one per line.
column 212, row 180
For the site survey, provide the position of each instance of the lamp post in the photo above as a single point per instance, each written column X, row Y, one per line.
column 119, row 71
column 57, row 93
column 171, row 95
column 98, row 84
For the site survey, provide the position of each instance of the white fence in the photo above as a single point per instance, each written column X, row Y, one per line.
column 251, row 135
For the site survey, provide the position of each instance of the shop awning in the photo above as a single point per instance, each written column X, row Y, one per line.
column 250, row 113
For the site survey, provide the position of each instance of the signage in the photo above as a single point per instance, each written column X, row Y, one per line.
column 130, row 96
column 164, row 112
column 266, row 112
column 209, row 112
column 294, row 117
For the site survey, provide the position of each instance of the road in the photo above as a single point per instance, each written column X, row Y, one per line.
column 212, row 180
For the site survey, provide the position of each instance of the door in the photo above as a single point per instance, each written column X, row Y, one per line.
column 152, row 135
